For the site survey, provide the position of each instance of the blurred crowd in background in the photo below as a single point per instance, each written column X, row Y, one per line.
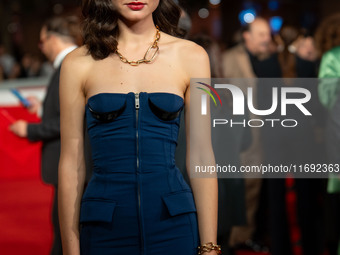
column 220, row 21
column 27, row 66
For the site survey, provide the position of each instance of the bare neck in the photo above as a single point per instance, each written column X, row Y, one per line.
column 136, row 32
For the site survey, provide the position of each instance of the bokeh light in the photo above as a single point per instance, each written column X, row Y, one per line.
column 247, row 16
column 203, row 13
column 276, row 23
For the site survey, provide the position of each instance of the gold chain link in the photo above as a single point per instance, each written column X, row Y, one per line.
column 144, row 59
column 207, row 247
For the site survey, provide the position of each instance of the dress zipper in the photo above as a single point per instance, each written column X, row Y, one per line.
column 138, row 181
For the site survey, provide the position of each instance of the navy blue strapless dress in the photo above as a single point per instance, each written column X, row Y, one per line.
column 137, row 201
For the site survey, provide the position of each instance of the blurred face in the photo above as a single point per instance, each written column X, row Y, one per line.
column 135, row 10
column 258, row 38
column 26, row 61
column 46, row 44
column 306, row 49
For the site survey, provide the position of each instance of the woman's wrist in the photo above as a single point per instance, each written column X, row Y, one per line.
column 209, row 248
column 212, row 252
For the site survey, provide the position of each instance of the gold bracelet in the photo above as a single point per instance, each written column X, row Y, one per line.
column 209, row 247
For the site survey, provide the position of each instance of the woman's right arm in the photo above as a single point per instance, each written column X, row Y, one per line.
column 71, row 176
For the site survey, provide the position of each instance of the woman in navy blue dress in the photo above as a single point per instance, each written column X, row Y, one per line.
column 131, row 82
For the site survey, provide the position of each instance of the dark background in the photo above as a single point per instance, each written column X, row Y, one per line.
column 20, row 20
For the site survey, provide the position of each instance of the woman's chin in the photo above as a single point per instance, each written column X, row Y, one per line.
column 134, row 17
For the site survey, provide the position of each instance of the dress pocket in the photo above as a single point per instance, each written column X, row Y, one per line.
column 96, row 211
column 179, row 202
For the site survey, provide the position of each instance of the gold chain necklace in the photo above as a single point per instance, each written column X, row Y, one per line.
column 144, row 59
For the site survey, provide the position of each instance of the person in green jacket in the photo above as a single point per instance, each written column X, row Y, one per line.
column 330, row 68
column 329, row 94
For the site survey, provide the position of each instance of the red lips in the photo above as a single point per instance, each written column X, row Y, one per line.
column 136, row 6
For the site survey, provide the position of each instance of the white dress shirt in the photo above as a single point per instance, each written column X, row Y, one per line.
column 60, row 57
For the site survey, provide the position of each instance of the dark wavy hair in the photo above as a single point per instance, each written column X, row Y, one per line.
column 100, row 29
column 327, row 34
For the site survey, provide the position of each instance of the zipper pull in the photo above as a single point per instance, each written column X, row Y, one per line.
column 137, row 100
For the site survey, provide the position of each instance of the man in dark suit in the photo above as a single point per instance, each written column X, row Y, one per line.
column 251, row 59
column 58, row 37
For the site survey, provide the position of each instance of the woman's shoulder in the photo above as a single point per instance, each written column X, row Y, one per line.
column 332, row 54
column 79, row 61
column 187, row 52
column 76, row 67
column 79, row 55
column 189, row 57
column 184, row 46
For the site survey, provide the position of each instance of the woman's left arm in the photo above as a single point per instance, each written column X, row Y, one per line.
column 199, row 148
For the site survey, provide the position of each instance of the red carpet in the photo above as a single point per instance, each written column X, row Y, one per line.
column 25, row 210
column 25, row 204
column 19, row 158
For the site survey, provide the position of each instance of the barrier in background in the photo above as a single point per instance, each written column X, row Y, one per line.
column 19, row 158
